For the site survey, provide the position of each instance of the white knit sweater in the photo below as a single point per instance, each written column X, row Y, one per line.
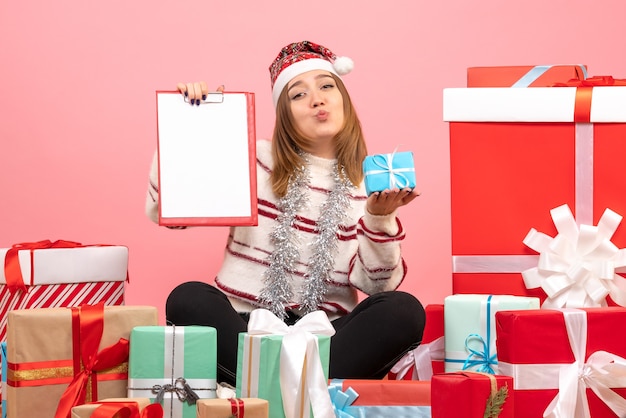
column 368, row 256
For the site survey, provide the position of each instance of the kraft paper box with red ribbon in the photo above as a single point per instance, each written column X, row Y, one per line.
column 58, row 358
column 48, row 274
column 516, row 153
column 286, row 365
column 389, row 171
column 465, row 394
column 360, row 398
column 524, row 75
column 427, row 358
column 174, row 366
column 119, row 408
column 566, row 363
column 470, row 329
column 233, row 408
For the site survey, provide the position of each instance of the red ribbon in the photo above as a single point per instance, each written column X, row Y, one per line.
column 127, row 410
column 236, row 406
column 13, row 271
column 584, row 90
column 87, row 329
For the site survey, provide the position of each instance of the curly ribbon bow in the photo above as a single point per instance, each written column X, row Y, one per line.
column 397, row 178
column 12, row 268
column 302, row 382
column 183, row 391
column 123, row 409
column 87, row 329
column 342, row 400
column 480, row 360
column 576, row 268
column 420, row 359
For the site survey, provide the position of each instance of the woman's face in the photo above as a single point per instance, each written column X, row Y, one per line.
column 316, row 105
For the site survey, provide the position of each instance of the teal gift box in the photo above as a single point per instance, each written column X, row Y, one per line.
column 259, row 364
column 173, row 365
column 470, row 329
column 389, row 171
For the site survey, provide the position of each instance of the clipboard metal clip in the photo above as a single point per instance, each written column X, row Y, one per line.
column 211, row 97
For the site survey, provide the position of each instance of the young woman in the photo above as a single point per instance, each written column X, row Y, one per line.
column 319, row 238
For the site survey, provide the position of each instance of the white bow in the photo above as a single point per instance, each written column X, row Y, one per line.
column 576, row 268
column 601, row 372
column 421, row 357
column 302, row 382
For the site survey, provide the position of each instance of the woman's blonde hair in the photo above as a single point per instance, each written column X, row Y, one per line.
column 287, row 143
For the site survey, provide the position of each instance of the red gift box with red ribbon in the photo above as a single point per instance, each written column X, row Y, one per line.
column 421, row 362
column 517, row 153
column 567, row 360
column 58, row 358
column 47, row 274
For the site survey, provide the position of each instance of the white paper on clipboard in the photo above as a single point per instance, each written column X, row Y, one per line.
column 207, row 160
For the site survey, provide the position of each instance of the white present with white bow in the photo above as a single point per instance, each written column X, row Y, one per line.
column 286, row 365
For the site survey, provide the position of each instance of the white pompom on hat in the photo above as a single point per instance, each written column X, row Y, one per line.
column 300, row 57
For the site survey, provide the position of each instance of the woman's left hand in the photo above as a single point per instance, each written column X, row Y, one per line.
column 387, row 201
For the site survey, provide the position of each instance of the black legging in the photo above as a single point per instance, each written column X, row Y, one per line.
column 367, row 342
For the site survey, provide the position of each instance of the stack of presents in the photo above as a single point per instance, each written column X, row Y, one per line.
column 535, row 327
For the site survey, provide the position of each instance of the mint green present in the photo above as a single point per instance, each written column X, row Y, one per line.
column 266, row 352
column 470, row 329
column 173, row 365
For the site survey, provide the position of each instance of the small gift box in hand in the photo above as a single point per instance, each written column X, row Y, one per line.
column 389, row 171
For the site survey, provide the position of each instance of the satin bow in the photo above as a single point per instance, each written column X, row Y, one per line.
column 576, row 268
column 127, row 410
column 302, row 381
column 481, row 358
column 420, row 359
column 342, row 400
column 600, row 372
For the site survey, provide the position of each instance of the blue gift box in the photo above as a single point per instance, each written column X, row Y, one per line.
column 388, row 171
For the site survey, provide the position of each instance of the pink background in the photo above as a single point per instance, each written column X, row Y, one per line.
column 77, row 95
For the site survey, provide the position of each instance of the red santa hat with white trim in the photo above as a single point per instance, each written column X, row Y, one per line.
column 300, row 57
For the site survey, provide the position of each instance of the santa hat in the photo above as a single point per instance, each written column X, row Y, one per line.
column 300, row 57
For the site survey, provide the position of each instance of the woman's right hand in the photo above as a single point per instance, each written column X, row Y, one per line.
column 196, row 92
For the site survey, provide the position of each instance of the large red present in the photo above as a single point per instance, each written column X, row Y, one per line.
column 380, row 398
column 516, row 153
column 421, row 362
column 569, row 363
column 466, row 394
column 49, row 274
column 524, row 75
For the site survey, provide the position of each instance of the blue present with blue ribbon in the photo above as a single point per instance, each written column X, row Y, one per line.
column 470, row 329
column 389, row 171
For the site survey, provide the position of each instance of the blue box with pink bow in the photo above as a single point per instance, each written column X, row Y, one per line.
column 389, row 171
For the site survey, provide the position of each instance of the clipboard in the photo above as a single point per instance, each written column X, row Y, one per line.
column 207, row 160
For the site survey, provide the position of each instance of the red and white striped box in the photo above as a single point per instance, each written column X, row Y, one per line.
column 60, row 274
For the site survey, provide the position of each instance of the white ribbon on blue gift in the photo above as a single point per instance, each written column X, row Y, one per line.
column 484, row 358
column 344, row 408
column 396, row 176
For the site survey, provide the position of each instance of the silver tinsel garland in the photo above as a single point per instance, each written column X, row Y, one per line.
column 277, row 291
